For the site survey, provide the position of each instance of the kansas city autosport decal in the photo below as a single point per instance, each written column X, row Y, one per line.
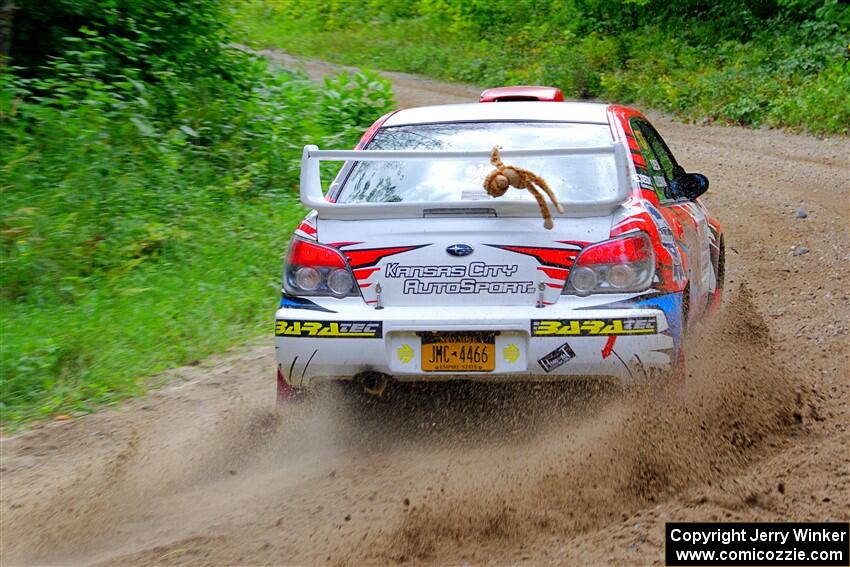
column 594, row 327
column 329, row 329
column 414, row 275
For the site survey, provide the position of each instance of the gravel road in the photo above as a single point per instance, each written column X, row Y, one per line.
column 201, row 471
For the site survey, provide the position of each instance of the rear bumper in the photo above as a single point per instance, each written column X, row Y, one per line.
column 557, row 342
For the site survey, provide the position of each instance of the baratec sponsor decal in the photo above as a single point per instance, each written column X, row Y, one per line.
column 329, row 329
column 594, row 327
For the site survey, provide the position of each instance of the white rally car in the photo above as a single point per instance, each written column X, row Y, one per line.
column 406, row 269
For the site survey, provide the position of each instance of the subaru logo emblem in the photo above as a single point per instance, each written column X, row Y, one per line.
column 459, row 250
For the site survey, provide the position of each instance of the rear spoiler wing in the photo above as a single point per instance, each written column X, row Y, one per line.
column 312, row 195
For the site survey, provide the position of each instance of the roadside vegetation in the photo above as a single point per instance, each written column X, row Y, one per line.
column 148, row 176
column 777, row 63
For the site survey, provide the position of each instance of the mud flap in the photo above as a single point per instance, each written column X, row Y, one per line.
column 286, row 394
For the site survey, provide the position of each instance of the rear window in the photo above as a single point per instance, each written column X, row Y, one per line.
column 572, row 178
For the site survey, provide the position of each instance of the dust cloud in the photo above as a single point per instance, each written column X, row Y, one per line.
column 475, row 466
column 645, row 444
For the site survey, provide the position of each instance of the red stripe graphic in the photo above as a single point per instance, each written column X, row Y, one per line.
column 364, row 273
column 371, row 256
column 609, row 346
column 557, row 257
column 307, row 228
column 577, row 243
column 630, row 224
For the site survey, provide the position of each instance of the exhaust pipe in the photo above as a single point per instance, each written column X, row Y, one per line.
column 373, row 383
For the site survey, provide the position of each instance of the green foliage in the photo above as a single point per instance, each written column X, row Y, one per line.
column 779, row 63
column 351, row 100
column 144, row 212
column 175, row 37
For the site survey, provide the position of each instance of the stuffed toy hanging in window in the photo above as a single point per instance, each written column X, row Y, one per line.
column 504, row 177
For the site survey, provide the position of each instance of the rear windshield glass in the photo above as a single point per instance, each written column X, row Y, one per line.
column 573, row 178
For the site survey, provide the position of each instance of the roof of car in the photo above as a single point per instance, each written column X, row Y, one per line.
column 594, row 113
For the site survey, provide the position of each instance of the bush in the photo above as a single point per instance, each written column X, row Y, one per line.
column 145, row 208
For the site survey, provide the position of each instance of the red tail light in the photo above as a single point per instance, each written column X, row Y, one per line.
column 622, row 264
column 313, row 269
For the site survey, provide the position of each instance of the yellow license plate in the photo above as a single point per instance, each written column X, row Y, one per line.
column 458, row 352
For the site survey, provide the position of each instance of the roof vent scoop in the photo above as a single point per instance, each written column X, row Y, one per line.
column 513, row 94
